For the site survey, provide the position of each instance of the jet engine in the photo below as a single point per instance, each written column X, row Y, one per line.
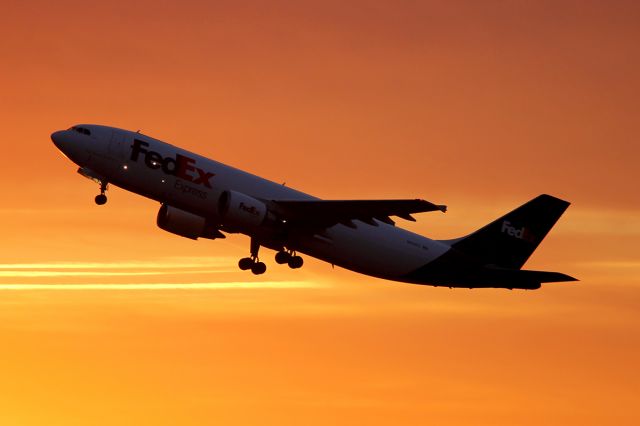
column 186, row 224
column 239, row 211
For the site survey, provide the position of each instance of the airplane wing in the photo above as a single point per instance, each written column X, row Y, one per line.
column 326, row 213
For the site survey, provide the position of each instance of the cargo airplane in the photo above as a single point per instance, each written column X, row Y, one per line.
column 203, row 198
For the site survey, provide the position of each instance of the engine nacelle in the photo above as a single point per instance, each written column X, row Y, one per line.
column 239, row 211
column 185, row 224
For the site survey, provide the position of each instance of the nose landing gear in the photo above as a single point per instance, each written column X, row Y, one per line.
column 102, row 198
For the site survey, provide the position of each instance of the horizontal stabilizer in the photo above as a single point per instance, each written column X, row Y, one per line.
column 524, row 275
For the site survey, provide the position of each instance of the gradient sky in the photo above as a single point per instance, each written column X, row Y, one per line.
column 106, row 319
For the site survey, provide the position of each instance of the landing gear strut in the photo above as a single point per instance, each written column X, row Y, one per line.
column 102, row 198
column 253, row 262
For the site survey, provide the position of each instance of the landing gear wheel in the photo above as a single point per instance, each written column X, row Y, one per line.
column 245, row 263
column 252, row 262
column 282, row 257
column 258, row 268
column 101, row 199
column 295, row 262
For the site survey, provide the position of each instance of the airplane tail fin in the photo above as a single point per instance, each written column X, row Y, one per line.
column 509, row 241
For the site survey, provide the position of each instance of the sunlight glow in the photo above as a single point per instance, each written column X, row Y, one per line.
column 167, row 263
column 163, row 286
column 31, row 274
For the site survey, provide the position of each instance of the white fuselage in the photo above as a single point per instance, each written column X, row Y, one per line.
column 188, row 181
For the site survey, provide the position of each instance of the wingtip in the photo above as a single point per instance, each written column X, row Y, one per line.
column 565, row 278
column 429, row 206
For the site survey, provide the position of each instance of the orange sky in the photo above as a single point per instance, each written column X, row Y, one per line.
column 477, row 105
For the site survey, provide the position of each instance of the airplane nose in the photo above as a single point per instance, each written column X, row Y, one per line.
column 58, row 139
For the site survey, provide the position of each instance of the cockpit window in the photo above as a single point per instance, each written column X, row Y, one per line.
column 82, row 130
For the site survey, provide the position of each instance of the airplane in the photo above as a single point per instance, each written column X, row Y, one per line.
column 203, row 198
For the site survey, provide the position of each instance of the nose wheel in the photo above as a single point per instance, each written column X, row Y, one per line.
column 102, row 198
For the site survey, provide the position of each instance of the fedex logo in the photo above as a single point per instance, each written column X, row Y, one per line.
column 180, row 166
column 522, row 233
column 252, row 210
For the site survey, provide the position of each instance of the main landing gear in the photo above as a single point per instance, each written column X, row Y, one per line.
column 253, row 263
column 102, row 198
column 283, row 256
column 289, row 257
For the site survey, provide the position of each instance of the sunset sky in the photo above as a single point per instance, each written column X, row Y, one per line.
column 105, row 319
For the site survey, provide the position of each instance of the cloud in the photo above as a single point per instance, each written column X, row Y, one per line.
column 45, row 274
column 162, row 286
column 607, row 222
column 164, row 263
column 186, row 271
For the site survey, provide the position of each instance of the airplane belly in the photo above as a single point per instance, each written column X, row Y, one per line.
column 383, row 251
